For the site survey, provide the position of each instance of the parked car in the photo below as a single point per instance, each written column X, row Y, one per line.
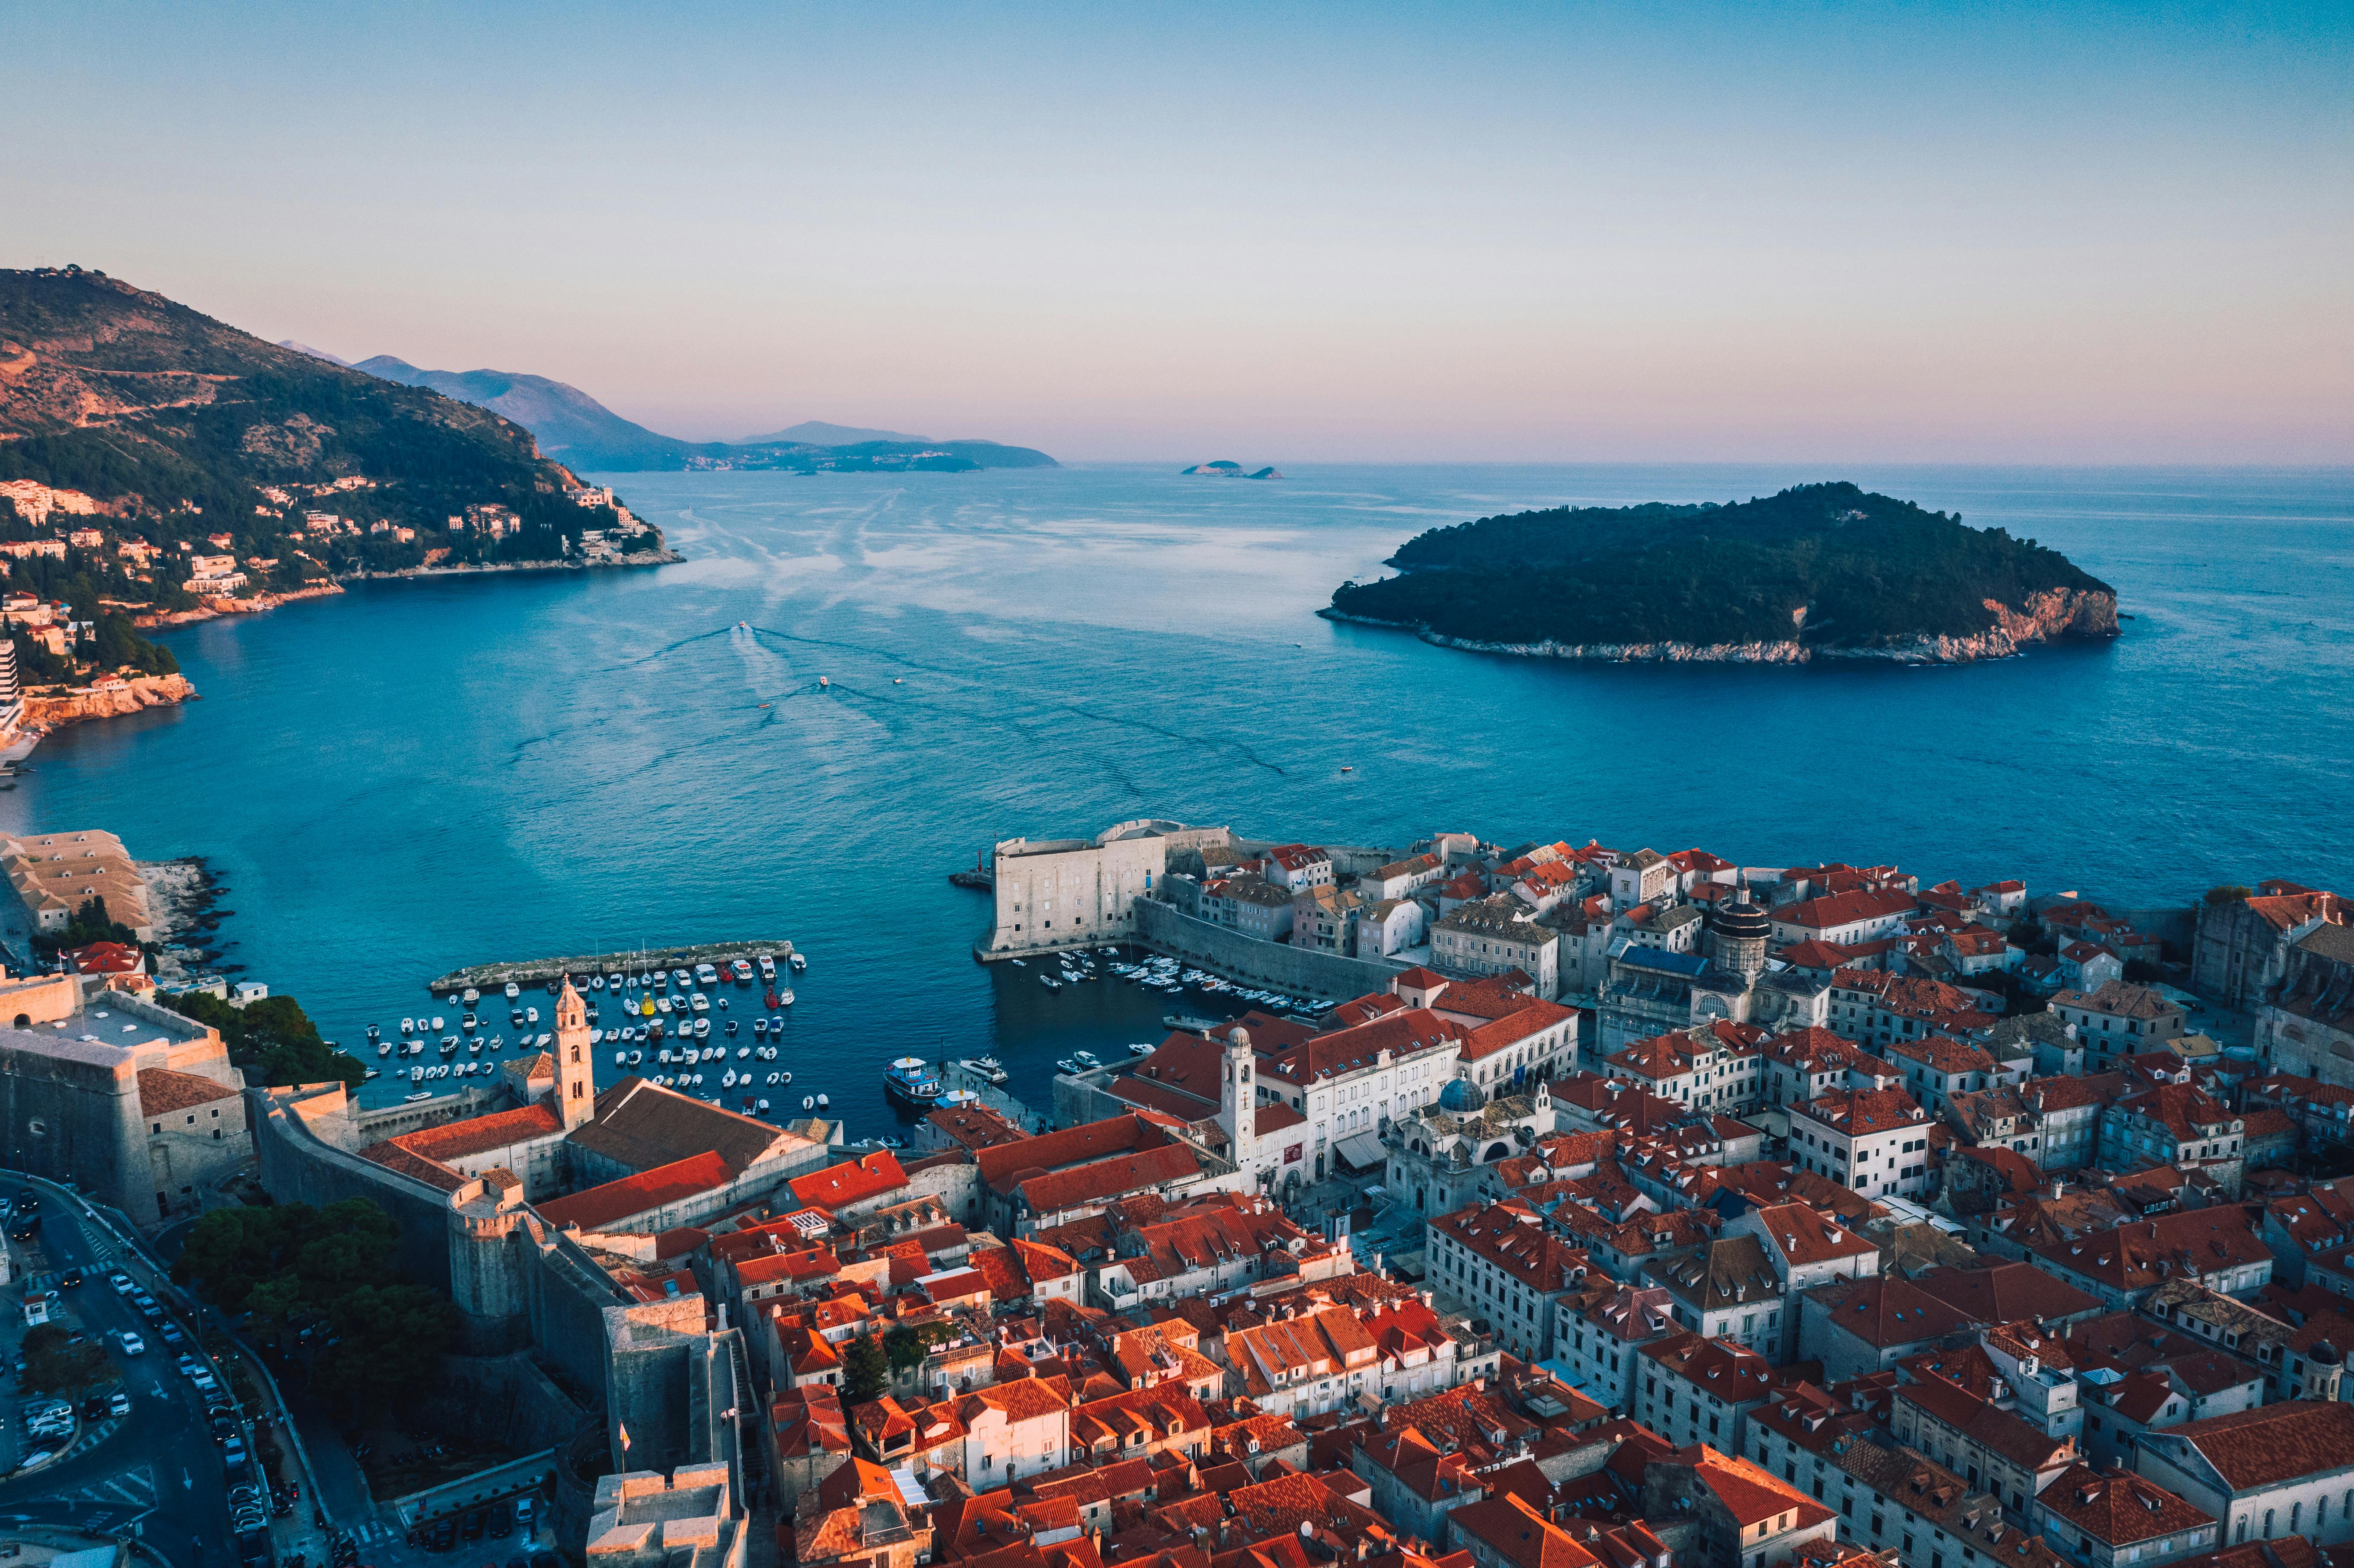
column 123, row 1284
column 170, row 1333
column 501, row 1524
column 472, row 1529
column 526, row 1509
column 233, row 1454
column 445, row 1534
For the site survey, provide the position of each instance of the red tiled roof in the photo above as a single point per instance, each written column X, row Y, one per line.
column 480, row 1134
column 853, row 1181
column 632, row 1195
column 162, row 1089
column 2273, row 1444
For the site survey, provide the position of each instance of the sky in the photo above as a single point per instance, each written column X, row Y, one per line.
column 1978, row 232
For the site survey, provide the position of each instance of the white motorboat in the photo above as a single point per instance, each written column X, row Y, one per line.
column 419, row 1095
column 808, row 1103
column 1086, row 1059
column 531, row 1016
column 620, row 1058
column 437, row 1024
column 742, row 1052
column 385, row 1049
column 415, row 1075
column 784, row 999
column 821, row 1102
column 408, row 1026
column 513, row 990
column 471, row 996
column 786, row 1078
column 1141, row 1048
column 636, row 1057
column 798, row 963
column 764, row 1107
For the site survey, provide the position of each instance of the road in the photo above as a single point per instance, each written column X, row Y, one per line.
column 158, row 1469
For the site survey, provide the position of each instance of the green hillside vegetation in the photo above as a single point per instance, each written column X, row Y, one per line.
column 86, row 581
column 1864, row 569
column 181, row 425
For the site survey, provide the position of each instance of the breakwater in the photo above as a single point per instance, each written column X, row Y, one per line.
column 540, row 972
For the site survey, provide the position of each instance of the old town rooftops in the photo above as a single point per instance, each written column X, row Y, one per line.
column 1941, row 1054
column 1730, row 1371
column 1005, row 1166
column 1837, row 909
column 2252, row 1449
column 640, row 1125
column 2119, row 1509
column 2119, row 999
column 1514, row 1237
column 643, row 1193
column 1861, row 1113
column 1748, row 1492
column 853, row 1181
column 1886, row 1309
column 1723, row 1272
column 1359, row 1046
column 164, row 1090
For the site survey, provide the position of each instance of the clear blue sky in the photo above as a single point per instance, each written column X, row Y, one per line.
column 2046, row 233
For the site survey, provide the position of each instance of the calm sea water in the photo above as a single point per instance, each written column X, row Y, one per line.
column 423, row 775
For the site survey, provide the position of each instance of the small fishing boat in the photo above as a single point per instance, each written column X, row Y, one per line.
column 764, row 1107
column 786, row 1077
column 1050, row 982
column 808, row 1103
column 767, row 968
column 799, row 961
column 531, row 1016
column 419, row 1095
column 437, row 1024
column 408, row 1026
column 821, row 1102
column 636, row 1057
column 473, row 996
column 385, row 1049
column 1068, row 1068
column 415, row 1075
column 1141, row 1048
column 784, row 999
column 620, row 1058
column 1087, row 1059
column 513, row 990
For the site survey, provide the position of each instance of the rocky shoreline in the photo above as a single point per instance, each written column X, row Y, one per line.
column 213, row 608
column 182, row 897
column 2045, row 618
column 478, row 568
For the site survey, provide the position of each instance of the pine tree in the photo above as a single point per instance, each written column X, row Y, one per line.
column 865, row 1371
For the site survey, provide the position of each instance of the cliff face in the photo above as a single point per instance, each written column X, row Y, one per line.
column 2054, row 613
column 106, row 700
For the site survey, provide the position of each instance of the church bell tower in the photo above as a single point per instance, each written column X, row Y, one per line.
column 575, row 1068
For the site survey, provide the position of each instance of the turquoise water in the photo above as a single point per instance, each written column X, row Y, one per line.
column 417, row 775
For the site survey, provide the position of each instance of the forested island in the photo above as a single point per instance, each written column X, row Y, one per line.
column 1818, row 571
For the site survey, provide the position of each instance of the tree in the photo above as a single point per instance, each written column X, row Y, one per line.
column 865, row 1371
column 906, row 1347
column 2229, row 892
column 273, row 1039
column 55, row 1363
column 379, row 1338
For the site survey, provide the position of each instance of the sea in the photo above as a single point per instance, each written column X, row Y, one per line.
column 426, row 774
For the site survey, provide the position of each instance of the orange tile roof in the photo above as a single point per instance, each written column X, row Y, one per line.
column 853, row 1181
column 632, row 1195
column 163, row 1090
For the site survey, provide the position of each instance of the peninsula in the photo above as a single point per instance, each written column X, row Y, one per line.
column 1226, row 468
column 1817, row 571
column 158, row 466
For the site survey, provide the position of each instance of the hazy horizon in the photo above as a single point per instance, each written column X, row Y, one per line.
column 2081, row 235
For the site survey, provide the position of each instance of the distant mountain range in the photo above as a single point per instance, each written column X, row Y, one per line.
column 583, row 434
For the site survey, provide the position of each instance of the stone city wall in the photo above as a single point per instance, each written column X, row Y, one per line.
column 298, row 1166
column 1298, row 971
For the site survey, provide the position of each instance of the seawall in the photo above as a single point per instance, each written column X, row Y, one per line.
column 1300, row 972
column 47, row 711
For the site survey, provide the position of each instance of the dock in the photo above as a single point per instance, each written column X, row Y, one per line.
column 539, row 972
column 955, row 1077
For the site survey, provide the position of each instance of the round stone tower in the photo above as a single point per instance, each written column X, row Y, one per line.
column 1737, row 931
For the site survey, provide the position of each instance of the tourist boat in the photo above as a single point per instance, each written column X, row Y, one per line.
column 1050, row 982
column 911, row 1080
column 799, row 962
column 1086, row 1059
column 1067, row 1066
column 1141, row 1048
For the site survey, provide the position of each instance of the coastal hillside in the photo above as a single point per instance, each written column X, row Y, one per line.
column 591, row 438
column 1820, row 569
column 197, row 442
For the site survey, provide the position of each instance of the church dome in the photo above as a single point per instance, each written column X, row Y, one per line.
column 1738, row 919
